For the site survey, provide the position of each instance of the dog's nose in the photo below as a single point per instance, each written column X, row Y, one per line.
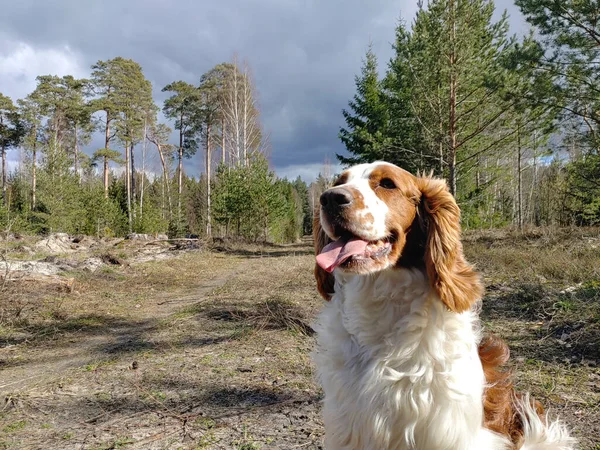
column 336, row 198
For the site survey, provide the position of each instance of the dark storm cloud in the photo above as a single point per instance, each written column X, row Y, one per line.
column 303, row 54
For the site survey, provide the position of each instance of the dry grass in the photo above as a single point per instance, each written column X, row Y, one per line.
column 543, row 297
column 211, row 349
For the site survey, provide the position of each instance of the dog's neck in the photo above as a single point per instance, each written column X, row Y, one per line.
column 374, row 305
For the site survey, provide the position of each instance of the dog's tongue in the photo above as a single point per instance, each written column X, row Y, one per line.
column 339, row 251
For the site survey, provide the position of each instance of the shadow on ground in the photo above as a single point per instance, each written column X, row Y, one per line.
column 563, row 327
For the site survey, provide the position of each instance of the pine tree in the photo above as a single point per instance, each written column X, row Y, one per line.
column 32, row 115
column 183, row 107
column 134, row 103
column 11, row 133
column 106, row 84
column 209, row 118
column 570, row 34
column 159, row 135
column 366, row 135
column 453, row 65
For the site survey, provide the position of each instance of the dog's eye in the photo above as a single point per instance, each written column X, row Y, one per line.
column 387, row 183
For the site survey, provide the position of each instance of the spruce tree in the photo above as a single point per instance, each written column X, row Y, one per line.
column 366, row 135
column 407, row 148
column 570, row 34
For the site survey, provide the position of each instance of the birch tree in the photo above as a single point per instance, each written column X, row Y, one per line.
column 158, row 134
column 241, row 125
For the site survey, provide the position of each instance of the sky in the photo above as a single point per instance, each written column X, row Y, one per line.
column 304, row 55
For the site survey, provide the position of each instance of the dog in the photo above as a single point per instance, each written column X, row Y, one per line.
column 400, row 352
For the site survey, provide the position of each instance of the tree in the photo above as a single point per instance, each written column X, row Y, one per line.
column 455, row 46
column 570, row 34
column 159, row 135
column 31, row 113
column 406, row 147
column 183, row 107
column 241, row 128
column 134, row 103
column 106, row 81
column 210, row 117
column 366, row 135
column 62, row 101
column 303, row 194
column 77, row 116
column 11, row 133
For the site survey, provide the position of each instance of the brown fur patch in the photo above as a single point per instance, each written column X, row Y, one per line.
column 455, row 281
column 342, row 179
column 402, row 204
column 501, row 414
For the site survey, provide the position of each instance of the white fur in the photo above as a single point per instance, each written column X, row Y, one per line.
column 543, row 434
column 370, row 222
column 400, row 371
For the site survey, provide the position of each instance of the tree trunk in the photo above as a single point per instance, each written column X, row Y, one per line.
column 143, row 171
column 452, row 119
column 3, row 175
column 532, row 197
column 165, row 179
column 208, row 175
column 236, row 114
column 180, row 172
column 128, row 186
column 106, row 142
column 223, row 139
column 33, row 172
column 76, row 154
column 245, row 122
column 165, row 182
column 133, row 182
column 519, row 181
column 105, row 177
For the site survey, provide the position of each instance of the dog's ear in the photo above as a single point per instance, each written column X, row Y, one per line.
column 455, row 281
column 325, row 280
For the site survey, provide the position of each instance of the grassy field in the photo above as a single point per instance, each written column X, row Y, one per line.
column 210, row 349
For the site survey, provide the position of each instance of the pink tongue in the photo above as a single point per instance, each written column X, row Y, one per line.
column 339, row 251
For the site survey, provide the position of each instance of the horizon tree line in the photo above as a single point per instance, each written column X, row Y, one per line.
column 219, row 116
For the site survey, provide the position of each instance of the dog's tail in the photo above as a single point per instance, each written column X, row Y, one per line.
column 516, row 416
column 539, row 433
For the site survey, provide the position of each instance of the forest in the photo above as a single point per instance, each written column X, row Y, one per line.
column 510, row 121
column 58, row 187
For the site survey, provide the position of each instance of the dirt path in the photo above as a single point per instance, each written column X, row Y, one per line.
column 221, row 363
column 46, row 365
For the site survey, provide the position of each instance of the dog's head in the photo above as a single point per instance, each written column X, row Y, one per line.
column 379, row 217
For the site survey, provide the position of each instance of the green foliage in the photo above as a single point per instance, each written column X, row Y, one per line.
column 584, row 188
column 183, row 107
column 250, row 202
column 569, row 35
column 58, row 188
column 366, row 135
column 463, row 100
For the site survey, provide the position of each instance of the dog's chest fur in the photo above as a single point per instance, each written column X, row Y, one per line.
column 398, row 369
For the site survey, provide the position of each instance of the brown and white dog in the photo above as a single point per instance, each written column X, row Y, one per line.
column 400, row 352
